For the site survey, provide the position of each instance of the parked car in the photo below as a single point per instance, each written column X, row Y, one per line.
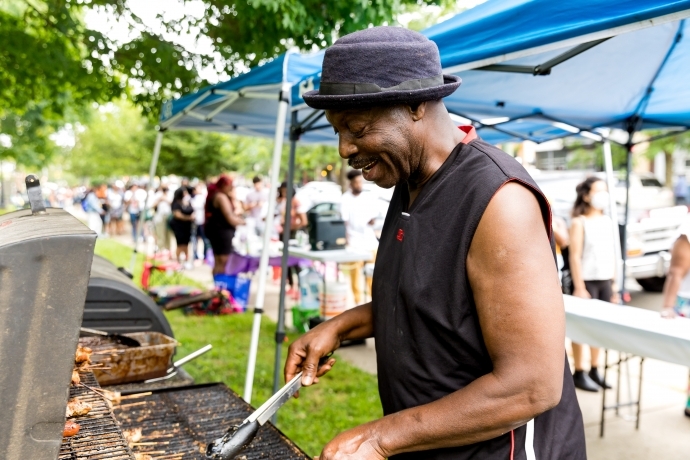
column 653, row 221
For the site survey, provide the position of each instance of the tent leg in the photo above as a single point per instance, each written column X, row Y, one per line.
column 263, row 263
column 280, row 330
column 149, row 186
column 624, row 236
column 608, row 166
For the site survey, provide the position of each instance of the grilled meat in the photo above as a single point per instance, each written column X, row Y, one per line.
column 71, row 428
column 142, row 457
column 75, row 377
column 77, row 408
column 83, row 355
column 132, row 436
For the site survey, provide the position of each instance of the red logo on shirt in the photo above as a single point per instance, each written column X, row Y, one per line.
column 400, row 235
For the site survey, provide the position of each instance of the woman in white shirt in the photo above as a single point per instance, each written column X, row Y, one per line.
column 592, row 265
column 677, row 286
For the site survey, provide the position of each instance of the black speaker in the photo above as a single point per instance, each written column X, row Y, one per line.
column 326, row 231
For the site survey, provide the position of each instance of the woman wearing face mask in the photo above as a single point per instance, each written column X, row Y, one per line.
column 181, row 222
column 592, row 265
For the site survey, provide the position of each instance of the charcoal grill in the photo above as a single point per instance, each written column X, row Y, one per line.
column 99, row 437
column 115, row 304
column 178, row 423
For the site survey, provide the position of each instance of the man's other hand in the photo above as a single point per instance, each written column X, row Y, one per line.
column 359, row 443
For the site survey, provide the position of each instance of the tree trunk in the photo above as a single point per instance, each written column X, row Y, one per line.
column 669, row 169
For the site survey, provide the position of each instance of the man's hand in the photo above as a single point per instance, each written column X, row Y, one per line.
column 304, row 354
column 359, row 443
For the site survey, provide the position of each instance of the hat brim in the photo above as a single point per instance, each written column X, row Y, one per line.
column 354, row 101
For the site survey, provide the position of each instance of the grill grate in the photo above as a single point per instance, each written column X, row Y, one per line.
column 177, row 424
column 99, row 436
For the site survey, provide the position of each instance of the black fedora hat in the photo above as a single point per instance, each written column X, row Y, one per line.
column 381, row 66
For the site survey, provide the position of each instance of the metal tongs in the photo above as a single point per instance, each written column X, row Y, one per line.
column 238, row 437
column 172, row 372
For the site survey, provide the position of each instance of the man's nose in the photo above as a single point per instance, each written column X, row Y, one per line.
column 346, row 148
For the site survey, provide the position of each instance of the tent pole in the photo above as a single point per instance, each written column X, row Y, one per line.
column 280, row 330
column 608, row 166
column 142, row 216
column 263, row 263
column 624, row 236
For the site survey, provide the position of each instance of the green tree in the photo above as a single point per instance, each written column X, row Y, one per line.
column 49, row 54
column 110, row 143
column 667, row 146
column 27, row 137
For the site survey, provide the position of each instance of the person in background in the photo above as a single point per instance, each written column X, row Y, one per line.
column 676, row 296
column 562, row 240
column 256, row 204
column 221, row 220
column 592, row 265
column 181, row 222
column 162, row 205
column 94, row 209
column 199, row 203
column 134, row 201
column 298, row 220
column 680, row 190
column 116, row 198
column 102, row 195
column 358, row 210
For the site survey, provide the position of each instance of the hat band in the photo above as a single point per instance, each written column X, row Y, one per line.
column 342, row 89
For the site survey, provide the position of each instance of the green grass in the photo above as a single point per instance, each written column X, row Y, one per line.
column 346, row 397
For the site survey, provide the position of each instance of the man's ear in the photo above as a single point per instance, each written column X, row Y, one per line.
column 417, row 111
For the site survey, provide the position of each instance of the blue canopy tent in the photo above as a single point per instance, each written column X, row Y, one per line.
column 541, row 70
column 600, row 64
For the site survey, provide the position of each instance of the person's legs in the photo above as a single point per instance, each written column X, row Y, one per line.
column 220, row 261
column 583, row 380
column 577, row 357
column 355, row 270
column 181, row 249
column 134, row 220
column 601, row 290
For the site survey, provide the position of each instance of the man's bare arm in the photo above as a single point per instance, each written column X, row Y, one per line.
column 515, row 284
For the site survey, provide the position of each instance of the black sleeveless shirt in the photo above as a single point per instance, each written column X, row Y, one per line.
column 428, row 339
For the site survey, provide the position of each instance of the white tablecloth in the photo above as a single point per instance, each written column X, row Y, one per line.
column 340, row 256
column 628, row 329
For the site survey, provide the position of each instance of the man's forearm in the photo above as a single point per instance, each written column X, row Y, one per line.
column 354, row 324
column 485, row 409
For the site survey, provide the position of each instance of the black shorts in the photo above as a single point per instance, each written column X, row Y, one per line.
column 221, row 241
column 600, row 289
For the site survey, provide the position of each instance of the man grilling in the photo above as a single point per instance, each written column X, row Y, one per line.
column 467, row 311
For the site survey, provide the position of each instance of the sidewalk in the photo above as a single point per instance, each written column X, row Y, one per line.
column 664, row 431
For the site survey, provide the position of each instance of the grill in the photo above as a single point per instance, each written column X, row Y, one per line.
column 177, row 424
column 99, row 436
column 115, row 304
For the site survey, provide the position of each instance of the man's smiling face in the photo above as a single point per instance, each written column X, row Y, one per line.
column 380, row 141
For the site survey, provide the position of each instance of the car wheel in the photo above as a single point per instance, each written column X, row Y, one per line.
column 653, row 284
